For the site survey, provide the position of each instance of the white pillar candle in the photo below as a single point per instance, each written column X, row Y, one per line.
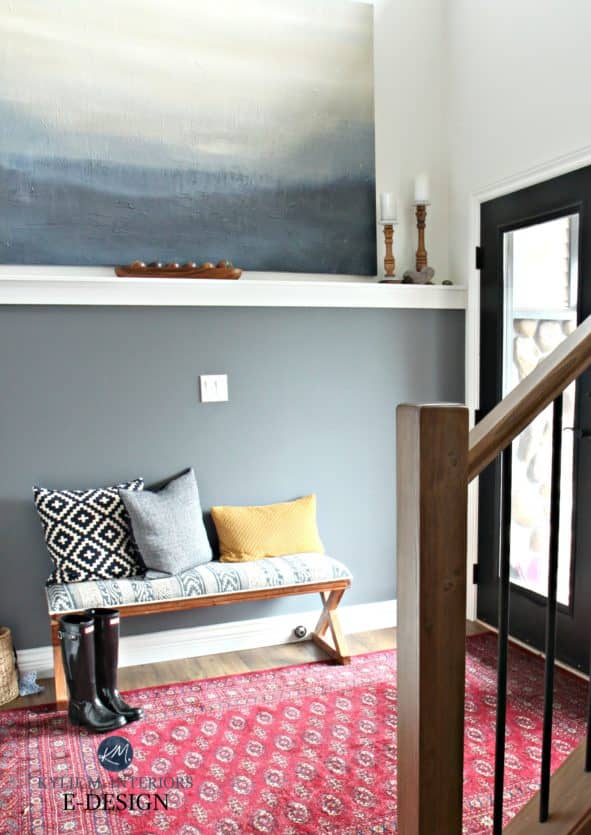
column 422, row 188
column 388, row 208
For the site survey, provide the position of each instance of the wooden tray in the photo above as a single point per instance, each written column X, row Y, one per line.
column 138, row 269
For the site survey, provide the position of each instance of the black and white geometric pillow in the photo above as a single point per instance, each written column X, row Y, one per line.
column 88, row 533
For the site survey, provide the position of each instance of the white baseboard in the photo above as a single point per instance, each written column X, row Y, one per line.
column 222, row 637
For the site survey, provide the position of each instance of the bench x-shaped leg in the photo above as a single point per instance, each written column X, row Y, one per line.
column 61, row 688
column 329, row 620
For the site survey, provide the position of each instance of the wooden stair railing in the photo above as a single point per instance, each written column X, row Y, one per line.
column 436, row 459
column 510, row 417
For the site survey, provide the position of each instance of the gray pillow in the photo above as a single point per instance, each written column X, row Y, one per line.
column 168, row 526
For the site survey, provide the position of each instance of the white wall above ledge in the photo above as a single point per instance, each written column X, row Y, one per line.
column 100, row 287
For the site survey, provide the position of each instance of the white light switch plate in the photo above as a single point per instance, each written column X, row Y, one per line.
column 214, row 388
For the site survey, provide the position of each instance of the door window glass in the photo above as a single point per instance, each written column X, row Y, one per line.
column 541, row 280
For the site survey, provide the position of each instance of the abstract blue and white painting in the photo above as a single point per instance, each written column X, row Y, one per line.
column 188, row 130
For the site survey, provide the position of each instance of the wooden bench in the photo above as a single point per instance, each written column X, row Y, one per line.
column 331, row 591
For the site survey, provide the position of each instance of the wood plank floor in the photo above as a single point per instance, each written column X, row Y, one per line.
column 209, row 666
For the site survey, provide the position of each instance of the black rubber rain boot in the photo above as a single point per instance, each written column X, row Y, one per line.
column 106, row 648
column 77, row 639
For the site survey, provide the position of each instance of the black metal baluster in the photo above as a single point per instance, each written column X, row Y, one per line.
column 503, row 640
column 551, row 608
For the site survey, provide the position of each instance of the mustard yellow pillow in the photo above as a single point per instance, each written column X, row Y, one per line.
column 252, row 533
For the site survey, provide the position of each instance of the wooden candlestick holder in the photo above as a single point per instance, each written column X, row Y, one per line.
column 389, row 260
column 421, row 214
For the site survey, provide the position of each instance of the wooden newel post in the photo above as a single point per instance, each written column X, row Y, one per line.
column 432, row 494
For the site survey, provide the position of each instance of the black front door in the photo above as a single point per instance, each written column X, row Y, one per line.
column 535, row 288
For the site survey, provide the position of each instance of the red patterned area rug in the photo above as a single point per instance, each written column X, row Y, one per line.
column 305, row 749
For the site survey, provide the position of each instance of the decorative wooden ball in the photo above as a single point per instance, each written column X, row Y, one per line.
column 172, row 265
column 157, row 265
column 190, row 265
column 138, row 265
column 207, row 266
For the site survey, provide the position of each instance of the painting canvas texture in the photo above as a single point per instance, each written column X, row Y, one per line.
column 188, row 130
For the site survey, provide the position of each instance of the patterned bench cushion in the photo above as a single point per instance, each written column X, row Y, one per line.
column 209, row 579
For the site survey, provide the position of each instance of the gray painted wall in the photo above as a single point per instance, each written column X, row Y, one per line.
column 93, row 396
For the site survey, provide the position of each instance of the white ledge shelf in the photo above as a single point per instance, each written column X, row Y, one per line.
column 71, row 286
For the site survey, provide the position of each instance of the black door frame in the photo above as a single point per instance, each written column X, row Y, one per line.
column 566, row 194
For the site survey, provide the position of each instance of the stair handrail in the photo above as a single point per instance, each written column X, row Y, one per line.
column 436, row 458
column 507, row 419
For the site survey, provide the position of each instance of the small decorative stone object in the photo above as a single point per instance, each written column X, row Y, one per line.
column 27, row 685
column 424, row 276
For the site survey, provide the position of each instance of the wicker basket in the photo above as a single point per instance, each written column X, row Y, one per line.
column 8, row 673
